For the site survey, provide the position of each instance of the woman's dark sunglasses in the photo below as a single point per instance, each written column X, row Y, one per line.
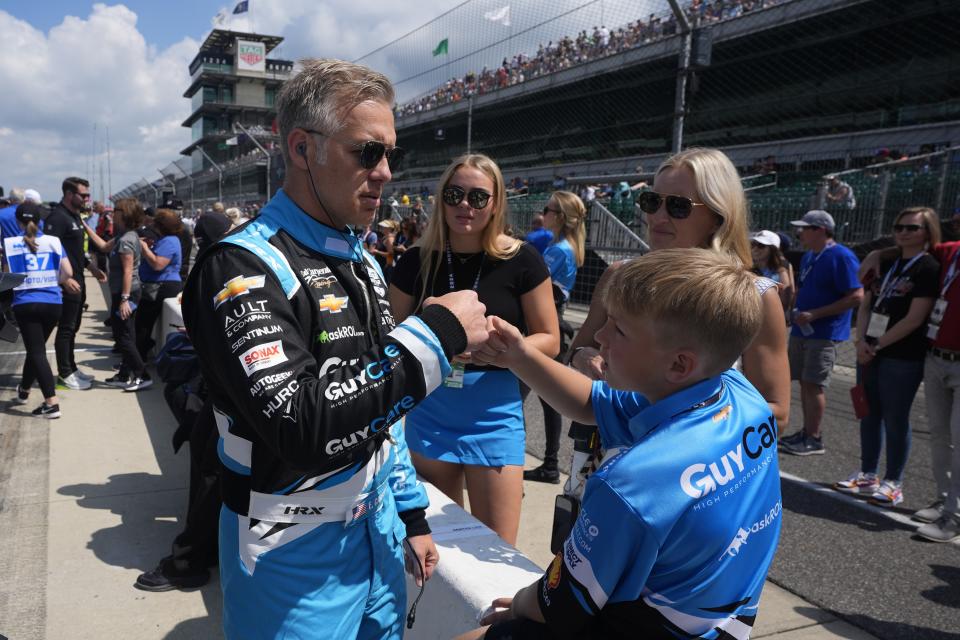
column 476, row 198
column 547, row 210
column 899, row 228
column 677, row 206
column 371, row 152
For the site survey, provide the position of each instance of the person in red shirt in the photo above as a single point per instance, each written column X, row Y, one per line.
column 941, row 379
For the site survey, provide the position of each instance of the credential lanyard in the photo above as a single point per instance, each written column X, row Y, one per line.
column 951, row 275
column 890, row 283
column 806, row 272
column 453, row 286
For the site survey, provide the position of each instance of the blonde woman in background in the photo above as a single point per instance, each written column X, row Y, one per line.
column 472, row 426
column 236, row 217
column 697, row 200
column 565, row 216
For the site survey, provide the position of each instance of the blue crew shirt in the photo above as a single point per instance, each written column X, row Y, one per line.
column 562, row 265
column 540, row 239
column 823, row 279
column 680, row 524
column 165, row 247
column 41, row 268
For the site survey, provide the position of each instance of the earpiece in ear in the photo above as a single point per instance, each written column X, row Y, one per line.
column 302, row 149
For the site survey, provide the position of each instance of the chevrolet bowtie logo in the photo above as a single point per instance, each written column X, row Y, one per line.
column 236, row 287
column 333, row 303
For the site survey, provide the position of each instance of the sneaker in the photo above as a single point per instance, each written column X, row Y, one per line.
column 859, row 483
column 22, row 396
column 83, row 376
column 47, row 411
column 806, row 446
column 889, row 494
column 542, row 474
column 793, row 438
column 931, row 513
column 118, row 381
column 945, row 529
column 167, row 577
column 138, row 384
column 73, row 381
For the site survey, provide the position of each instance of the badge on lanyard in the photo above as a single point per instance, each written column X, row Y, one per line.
column 455, row 379
column 878, row 325
column 939, row 310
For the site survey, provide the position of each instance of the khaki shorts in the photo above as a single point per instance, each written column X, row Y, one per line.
column 812, row 359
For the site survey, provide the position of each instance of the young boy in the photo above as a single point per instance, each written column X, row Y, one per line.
column 679, row 525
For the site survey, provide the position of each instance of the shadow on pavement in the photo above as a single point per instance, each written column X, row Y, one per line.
column 946, row 594
column 802, row 501
column 207, row 627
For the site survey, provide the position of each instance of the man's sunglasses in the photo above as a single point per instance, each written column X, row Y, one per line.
column 85, row 196
column 900, row 228
column 677, row 206
column 476, row 198
column 371, row 152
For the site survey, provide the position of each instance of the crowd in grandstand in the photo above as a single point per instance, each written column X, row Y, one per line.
column 570, row 51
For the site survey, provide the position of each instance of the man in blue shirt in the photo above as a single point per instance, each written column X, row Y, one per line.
column 827, row 291
column 679, row 525
column 539, row 237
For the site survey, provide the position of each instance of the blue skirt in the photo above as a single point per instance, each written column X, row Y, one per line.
column 481, row 423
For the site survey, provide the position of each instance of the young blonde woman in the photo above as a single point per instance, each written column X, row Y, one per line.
column 697, row 201
column 472, row 426
column 564, row 216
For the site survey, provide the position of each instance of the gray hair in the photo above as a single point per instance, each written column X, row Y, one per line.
column 16, row 195
column 323, row 93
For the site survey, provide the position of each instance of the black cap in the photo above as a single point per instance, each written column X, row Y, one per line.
column 29, row 212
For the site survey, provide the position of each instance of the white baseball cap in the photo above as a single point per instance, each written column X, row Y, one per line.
column 32, row 195
column 766, row 237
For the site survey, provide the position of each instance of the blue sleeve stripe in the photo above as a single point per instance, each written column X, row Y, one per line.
column 229, row 462
column 255, row 239
column 232, row 448
column 433, row 363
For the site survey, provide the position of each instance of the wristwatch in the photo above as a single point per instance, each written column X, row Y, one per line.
column 571, row 355
column 124, row 297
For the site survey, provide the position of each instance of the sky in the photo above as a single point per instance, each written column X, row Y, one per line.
column 75, row 72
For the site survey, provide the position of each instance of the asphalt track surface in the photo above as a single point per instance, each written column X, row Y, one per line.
column 860, row 562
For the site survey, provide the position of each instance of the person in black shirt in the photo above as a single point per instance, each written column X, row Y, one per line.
column 473, row 424
column 891, row 348
column 64, row 222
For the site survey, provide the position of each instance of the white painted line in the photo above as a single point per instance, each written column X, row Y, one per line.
column 51, row 351
column 853, row 501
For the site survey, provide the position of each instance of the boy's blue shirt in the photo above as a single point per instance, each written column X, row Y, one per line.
column 679, row 525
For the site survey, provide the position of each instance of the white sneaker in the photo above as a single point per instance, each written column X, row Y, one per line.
column 73, row 381
column 84, row 376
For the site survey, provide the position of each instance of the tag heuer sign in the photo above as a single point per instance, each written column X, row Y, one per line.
column 251, row 56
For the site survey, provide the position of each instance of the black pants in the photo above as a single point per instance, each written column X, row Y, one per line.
column 36, row 321
column 551, row 419
column 125, row 333
column 149, row 312
column 67, row 328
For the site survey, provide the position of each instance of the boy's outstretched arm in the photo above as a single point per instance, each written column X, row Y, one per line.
column 564, row 389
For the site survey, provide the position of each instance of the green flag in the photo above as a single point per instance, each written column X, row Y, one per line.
column 441, row 48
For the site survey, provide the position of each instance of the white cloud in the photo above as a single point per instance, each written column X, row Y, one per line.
column 97, row 69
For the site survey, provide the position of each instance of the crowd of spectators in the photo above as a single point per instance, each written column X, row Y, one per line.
column 571, row 51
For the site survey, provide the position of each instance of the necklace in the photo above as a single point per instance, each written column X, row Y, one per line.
column 464, row 258
column 476, row 281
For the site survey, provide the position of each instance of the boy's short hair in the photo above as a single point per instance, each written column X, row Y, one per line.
column 698, row 298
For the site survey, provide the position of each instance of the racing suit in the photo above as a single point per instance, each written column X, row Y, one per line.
column 310, row 379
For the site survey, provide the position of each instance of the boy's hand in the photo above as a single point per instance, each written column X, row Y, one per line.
column 504, row 347
column 500, row 611
column 588, row 362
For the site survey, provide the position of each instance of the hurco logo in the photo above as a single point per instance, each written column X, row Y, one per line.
column 696, row 483
column 262, row 356
column 236, row 287
column 333, row 303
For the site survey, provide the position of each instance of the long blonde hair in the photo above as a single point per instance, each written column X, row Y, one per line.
column 435, row 236
column 574, row 230
column 718, row 187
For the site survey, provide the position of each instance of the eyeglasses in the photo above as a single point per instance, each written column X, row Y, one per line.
column 371, row 152
column 678, row 207
column 85, row 196
column 476, row 198
column 900, row 228
column 547, row 210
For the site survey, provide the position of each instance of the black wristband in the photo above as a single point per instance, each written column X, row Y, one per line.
column 416, row 522
column 442, row 321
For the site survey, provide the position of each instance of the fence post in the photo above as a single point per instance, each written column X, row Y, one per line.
column 942, row 185
column 884, row 189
